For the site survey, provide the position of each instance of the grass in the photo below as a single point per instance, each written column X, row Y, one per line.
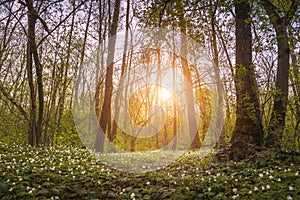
column 72, row 173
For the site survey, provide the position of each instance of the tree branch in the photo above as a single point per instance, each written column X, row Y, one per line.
column 60, row 23
column 18, row 106
column 294, row 6
column 44, row 24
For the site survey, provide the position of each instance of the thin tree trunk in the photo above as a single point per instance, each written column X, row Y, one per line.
column 105, row 118
column 192, row 122
column 65, row 68
column 35, row 126
column 219, row 84
column 123, row 70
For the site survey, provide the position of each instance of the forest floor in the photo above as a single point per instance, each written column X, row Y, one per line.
column 73, row 173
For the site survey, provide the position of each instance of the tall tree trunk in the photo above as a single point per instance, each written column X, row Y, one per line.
column 219, row 138
column 295, row 81
column 192, row 122
column 280, row 23
column 123, row 70
column 105, row 118
column 64, row 68
column 82, row 55
column 248, row 131
column 32, row 54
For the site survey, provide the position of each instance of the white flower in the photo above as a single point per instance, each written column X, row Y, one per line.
column 209, row 189
column 187, row 188
column 261, row 175
column 271, row 177
column 289, row 197
column 234, row 190
column 132, row 195
column 268, row 187
column 250, row 192
column 279, row 179
column 297, row 173
column 255, row 188
column 235, row 196
column 262, row 188
column 291, row 188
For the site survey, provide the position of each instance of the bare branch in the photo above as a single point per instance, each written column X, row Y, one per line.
column 44, row 24
column 12, row 100
column 60, row 23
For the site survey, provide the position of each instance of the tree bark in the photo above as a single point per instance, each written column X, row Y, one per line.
column 105, row 118
column 248, row 131
column 123, row 70
column 214, row 45
column 36, row 116
column 65, row 68
column 280, row 23
column 192, row 122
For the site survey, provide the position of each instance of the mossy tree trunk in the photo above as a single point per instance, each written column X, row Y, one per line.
column 248, row 131
column 280, row 24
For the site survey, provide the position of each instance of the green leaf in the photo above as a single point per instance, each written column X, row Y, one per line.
column 3, row 188
column 44, row 192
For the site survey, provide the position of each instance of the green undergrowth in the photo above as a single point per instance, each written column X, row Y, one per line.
column 73, row 173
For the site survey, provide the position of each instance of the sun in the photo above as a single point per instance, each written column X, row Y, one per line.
column 164, row 94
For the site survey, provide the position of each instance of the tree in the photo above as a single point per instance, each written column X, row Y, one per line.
column 105, row 117
column 123, row 71
column 35, row 130
column 280, row 21
column 193, row 129
column 248, row 131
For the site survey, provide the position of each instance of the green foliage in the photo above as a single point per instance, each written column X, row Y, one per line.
column 72, row 173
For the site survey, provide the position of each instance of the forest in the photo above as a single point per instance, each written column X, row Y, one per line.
column 149, row 99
